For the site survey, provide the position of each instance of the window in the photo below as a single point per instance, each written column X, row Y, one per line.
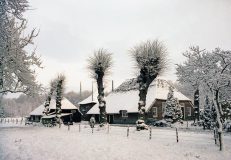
column 124, row 113
column 154, row 111
column 189, row 111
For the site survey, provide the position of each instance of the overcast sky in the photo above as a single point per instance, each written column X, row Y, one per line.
column 70, row 31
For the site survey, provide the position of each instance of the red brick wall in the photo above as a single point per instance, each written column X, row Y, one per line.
column 158, row 104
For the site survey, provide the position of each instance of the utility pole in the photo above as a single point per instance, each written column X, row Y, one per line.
column 80, row 90
column 92, row 90
column 112, row 85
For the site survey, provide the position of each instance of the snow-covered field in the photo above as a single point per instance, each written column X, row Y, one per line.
column 20, row 142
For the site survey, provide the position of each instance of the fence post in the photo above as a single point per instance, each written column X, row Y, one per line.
column 128, row 131
column 150, row 132
column 16, row 121
column 177, row 140
column 215, row 136
column 219, row 136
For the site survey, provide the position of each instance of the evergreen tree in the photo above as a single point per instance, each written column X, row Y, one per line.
column 178, row 112
column 173, row 112
column 169, row 108
column 207, row 118
column 226, row 108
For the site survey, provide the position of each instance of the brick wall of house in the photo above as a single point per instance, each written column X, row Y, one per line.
column 159, row 107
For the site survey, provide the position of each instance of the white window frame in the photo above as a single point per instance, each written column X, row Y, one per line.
column 124, row 113
column 156, row 112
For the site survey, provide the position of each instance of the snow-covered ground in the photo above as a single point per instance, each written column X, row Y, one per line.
column 20, row 142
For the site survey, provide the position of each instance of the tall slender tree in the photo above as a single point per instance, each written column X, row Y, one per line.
column 59, row 96
column 99, row 65
column 150, row 59
column 53, row 86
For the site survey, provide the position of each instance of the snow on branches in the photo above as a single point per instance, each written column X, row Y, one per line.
column 99, row 65
column 17, row 66
column 150, row 59
column 210, row 70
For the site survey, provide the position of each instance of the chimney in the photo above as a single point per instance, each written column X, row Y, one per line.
column 80, row 90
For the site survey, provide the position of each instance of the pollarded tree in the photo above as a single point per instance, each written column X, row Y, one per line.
column 16, row 73
column 99, row 66
column 150, row 59
column 59, row 96
column 53, row 86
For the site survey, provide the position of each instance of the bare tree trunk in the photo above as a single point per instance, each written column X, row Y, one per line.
column 101, row 100
column 196, row 106
column 144, row 81
column 58, row 100
column 218, row 110
column 48, row 100
column 1, row 74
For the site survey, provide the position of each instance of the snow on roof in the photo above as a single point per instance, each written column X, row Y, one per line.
column 89, row 99
column 66, row 104
column 38, row 111
column 126, row 96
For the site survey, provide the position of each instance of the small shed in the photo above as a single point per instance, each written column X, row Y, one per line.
column 36, row 114
column 70, row 113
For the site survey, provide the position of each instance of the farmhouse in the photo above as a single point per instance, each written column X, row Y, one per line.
column 122, row 103
column 70, row 113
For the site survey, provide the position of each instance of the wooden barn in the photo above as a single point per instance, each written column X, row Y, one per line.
column 70, row 113
column 36, row 114
column 86, row 105
column 122, row 103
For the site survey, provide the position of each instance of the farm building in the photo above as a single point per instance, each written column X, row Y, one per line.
column 86, row 105
column 70, row 113
column 37, row 113
column 122, row 103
